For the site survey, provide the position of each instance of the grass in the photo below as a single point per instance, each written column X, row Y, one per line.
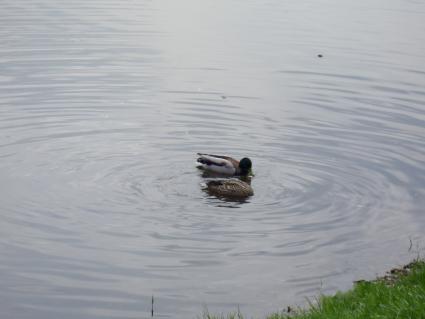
column 233, row 315
column 400, row 294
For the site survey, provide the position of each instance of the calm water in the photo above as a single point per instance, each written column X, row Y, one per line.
column 103, row 105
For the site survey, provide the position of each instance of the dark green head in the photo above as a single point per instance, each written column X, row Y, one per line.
column 245, row 165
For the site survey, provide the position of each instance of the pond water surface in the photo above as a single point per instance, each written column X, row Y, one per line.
column 104, row 104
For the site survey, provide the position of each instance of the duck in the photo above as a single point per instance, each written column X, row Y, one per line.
column 229, row 188
column 225, row 165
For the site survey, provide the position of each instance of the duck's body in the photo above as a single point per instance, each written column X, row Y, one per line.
column 224, row 164
column 231, row 188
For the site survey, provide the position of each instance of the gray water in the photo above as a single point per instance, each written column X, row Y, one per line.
column 103, row 105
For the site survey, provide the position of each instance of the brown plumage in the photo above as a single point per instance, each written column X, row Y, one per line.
column 234, row 188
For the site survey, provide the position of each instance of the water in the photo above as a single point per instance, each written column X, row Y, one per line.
column 103, row 105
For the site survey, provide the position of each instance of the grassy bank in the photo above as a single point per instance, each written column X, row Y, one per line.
column 399, row 294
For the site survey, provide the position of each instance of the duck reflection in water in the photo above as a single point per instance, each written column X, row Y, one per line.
column 238, row 187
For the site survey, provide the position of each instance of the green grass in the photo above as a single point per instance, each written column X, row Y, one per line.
column 398, row 295
column 233, row 315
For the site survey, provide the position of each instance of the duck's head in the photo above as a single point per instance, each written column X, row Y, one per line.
column 245, row 166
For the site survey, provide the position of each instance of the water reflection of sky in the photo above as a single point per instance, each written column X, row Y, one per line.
column 104, row 106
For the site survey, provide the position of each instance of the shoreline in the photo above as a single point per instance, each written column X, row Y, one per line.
column 399, row 293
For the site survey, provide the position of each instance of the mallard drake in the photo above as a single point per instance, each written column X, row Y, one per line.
column 230, row 188
column 224, row 164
